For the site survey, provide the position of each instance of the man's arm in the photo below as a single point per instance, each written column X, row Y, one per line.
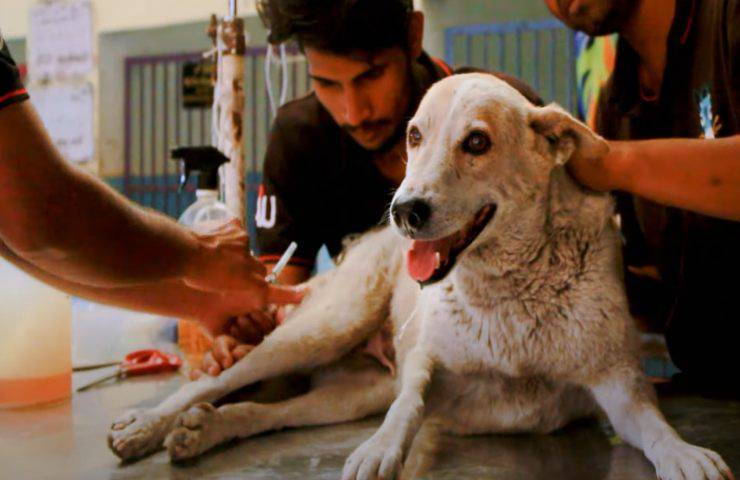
column 213, row 310
column 74, row 226
column 692, row 174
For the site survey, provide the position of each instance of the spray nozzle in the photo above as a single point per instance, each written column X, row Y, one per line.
column 205, row 160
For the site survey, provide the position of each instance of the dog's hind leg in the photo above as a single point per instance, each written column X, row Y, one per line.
column 345, row 308
column 340, row 395
column 632, row 409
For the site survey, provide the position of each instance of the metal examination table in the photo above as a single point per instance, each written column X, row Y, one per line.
column 67, row 441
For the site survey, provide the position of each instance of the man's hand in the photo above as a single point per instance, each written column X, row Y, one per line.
column 253, row 327
column 244, row 333
column 227, row 269
column 221, row 316
column 226, row 352
column 224, row 261
column 603, row 173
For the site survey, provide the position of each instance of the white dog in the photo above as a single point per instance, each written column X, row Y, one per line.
column 522, row 325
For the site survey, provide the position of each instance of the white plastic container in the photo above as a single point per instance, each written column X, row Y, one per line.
column 35, row 340
column 207, row 208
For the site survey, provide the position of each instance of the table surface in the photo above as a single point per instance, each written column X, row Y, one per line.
column 68, row 441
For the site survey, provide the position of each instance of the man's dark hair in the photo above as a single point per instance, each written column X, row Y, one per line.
column 338, row 26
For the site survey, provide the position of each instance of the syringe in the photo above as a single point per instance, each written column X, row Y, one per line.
column 284, row 259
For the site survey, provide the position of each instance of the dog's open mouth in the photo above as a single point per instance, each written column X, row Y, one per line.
column 429, row 261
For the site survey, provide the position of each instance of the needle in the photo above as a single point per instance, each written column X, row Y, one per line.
column 272, row 277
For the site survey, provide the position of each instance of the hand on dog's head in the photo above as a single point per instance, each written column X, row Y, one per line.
column 566, row 139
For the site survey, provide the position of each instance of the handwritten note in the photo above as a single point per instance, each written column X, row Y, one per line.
column 61, row 40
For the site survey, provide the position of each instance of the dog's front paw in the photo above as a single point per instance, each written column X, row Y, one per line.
column 137, row 433
column 196, row 430
column 678, row 460
column 377, row 458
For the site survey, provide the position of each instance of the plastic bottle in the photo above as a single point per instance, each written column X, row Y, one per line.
column 36, row 340
column 207, row 208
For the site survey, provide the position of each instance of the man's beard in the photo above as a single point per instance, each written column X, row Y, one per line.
column 399, row 133
column 612, row 20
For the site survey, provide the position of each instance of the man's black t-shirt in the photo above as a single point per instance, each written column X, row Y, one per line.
column 698, row 257
column 319, row 185
column 11, row 89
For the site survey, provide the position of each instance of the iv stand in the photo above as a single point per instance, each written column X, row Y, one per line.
column 229, row 41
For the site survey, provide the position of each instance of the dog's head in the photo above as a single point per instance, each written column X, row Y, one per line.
column 479, row 154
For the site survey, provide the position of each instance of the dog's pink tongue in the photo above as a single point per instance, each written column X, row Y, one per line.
column 421, row 260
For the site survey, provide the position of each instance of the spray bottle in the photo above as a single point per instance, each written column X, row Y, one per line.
column 207, row 207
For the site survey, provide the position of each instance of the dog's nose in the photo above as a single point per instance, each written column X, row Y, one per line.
column 412, row 214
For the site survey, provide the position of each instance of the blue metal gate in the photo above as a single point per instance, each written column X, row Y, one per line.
column 155, row 121
column 540, row 53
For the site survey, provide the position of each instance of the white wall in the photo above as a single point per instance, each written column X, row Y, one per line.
column 119, row 15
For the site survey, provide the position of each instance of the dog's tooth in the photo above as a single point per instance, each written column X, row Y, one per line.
column 437, row 259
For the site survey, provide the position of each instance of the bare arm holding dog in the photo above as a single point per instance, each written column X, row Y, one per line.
column 71, row 225
column 214, row 311
column 693, row 174
column 246, row 331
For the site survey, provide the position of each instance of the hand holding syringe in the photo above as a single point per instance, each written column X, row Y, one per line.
column 246, row 331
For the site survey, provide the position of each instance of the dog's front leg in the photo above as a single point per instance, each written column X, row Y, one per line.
column 382, row 455
column 140, row 432
column 630, row 404
column 343, row 309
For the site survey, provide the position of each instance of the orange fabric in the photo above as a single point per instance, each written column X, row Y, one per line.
column 193, row 342
column 445, row 68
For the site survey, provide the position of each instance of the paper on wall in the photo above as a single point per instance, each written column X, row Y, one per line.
column 67, row 112
column 61, row 40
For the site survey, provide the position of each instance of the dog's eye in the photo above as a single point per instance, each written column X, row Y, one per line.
column 477, row 143
column 414, row 137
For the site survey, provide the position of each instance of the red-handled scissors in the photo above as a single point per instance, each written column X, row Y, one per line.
column 141, row 362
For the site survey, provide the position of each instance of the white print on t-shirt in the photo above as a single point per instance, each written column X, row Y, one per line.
column 709, row 122
column 261, row 218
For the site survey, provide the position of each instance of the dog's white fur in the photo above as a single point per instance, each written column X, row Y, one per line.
column 529, row 330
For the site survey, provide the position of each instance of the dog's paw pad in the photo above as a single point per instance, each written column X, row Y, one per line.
column 124, row 420
column 183, row 443
column 137, row 433
column 196, row 431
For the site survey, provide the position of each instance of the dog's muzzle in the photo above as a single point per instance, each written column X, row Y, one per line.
column 411, row 215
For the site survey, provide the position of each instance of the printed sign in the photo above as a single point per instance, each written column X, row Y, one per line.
column 60, row 40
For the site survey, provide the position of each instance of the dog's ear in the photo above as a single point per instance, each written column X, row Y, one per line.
column 565, row 135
